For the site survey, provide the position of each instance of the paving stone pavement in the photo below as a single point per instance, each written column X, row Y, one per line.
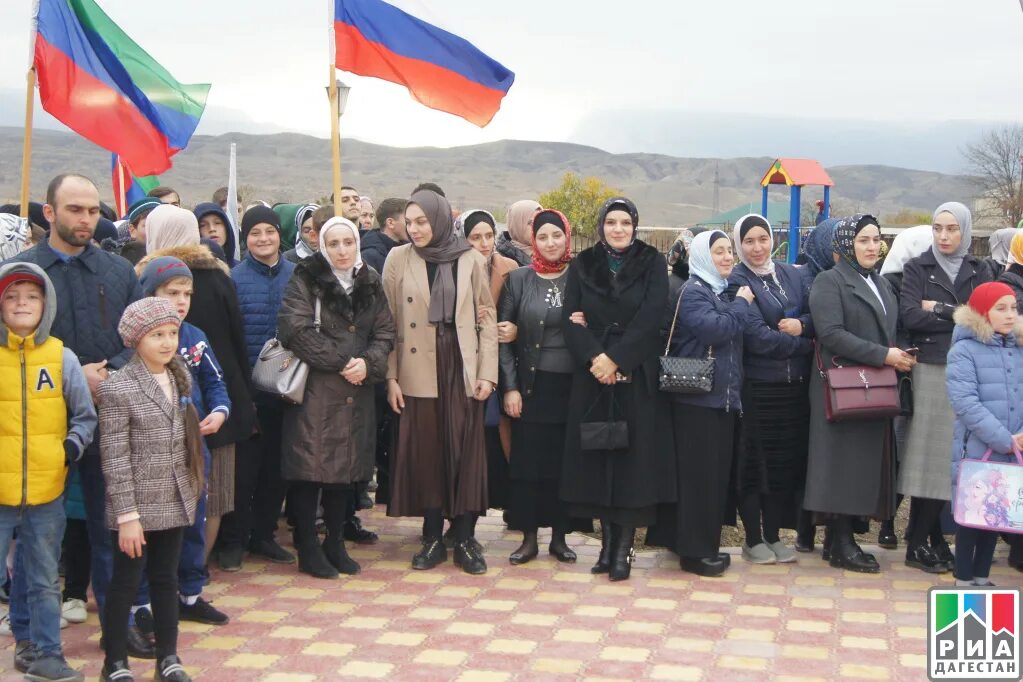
column 549, row 621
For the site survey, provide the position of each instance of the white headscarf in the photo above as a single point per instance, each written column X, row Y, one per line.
column 907, row 245
column 345, row 277
column 701, row 264
column 169, row 226
column 951, row 264
column 765, row 270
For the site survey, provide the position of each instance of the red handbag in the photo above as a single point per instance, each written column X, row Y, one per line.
column 859, row 391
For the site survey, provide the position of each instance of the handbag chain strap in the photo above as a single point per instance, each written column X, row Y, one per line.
column 674, row 319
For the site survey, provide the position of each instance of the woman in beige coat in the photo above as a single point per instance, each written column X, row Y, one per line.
column 442, row 369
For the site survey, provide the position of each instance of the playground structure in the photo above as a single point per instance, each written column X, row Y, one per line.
column 796, row 173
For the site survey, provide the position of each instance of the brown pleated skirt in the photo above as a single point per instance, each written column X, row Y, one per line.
column 221, row 483
column 440, row 459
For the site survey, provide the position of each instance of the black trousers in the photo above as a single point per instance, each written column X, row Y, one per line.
column 303, row 500
column 159, row 560
column 259, row 488
column 77, row 558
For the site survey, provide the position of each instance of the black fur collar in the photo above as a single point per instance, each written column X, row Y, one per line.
column 594, row 271
column 321, row 280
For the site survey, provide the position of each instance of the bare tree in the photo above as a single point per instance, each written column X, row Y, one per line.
column 996, row 162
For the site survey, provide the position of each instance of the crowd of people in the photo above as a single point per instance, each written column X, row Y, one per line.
column 455, row 367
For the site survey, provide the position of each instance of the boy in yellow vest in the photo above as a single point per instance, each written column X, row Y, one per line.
column 47, row 420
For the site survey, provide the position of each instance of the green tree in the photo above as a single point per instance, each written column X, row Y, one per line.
column 580, row 200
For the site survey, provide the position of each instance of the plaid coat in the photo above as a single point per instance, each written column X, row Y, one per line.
column 142, row 446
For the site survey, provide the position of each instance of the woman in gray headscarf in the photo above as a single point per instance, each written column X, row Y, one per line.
column 999, row 244
column 933, row 285
column 443, row 368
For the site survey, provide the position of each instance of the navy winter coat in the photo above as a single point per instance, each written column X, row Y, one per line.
column 260, row 292
column 209, row 392
column 93, row 289
column 770, row 355
column 374, row 248
column 984, row 376
column 705, row 319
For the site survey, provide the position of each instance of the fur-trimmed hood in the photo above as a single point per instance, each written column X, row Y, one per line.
column 972, row 325
column 197, row 257
column 594, row 270
column 316, row 273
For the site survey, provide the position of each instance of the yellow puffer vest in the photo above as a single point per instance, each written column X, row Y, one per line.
column 33, row 421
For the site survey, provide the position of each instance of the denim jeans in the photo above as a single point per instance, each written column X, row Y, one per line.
column 40, row 531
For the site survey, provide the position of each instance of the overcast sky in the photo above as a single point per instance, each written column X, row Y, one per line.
column 856, row 59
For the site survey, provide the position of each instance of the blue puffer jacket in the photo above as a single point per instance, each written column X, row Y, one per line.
column 985, row 386
column 93, row 289
column 771, row 355
column 708, row 320
column 260, row 291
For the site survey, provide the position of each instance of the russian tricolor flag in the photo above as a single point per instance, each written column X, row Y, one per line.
column 440, row 69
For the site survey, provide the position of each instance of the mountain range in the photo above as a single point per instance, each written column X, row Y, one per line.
column 290, row 167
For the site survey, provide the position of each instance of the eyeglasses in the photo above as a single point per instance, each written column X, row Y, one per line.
column 950, row 230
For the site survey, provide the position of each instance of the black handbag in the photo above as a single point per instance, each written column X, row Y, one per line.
column 685, row 375
column 608, row 434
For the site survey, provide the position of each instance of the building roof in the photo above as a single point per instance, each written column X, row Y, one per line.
column 777, row 214
column 799, row 172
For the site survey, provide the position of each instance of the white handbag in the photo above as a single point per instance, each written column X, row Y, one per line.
column 279, row 372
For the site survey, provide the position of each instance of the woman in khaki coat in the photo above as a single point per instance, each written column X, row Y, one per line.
column 442, row 370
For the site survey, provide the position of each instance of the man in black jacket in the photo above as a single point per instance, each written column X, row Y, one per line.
column 376, row 244
column 93, row 289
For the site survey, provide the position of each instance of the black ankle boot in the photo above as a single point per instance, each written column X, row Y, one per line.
column 845, row 553
column 603, row 565
column 432, row 553
column 337, row 554
column 527, row 551
column 826, row 545
column 886, row 535
column 470, row 561
column 312, row 561
column 622, row 553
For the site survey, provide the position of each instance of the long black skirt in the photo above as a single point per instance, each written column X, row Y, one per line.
column 774, row 443
column 705, row 441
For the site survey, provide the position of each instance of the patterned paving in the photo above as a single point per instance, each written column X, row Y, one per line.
column 545, row 621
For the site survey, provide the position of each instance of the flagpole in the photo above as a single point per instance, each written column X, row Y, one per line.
column 335, row 114
column 26, row 150
column 121, row 192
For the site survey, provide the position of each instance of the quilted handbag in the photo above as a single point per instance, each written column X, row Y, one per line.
column 859, row 391
column 685, row 375
column 279, row 372
column 988, row 494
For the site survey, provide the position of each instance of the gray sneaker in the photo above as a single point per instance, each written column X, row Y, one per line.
column 25, row 655
column 52, row 669
column 758, row 554
column 783, row 553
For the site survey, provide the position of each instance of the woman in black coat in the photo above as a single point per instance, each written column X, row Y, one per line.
column 329, row 441
column 778, row 346
column 851, row 467
column 934, row 284
column 536, row 375
column 619, row 285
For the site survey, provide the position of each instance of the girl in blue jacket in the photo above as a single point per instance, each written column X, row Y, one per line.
column 985, row 386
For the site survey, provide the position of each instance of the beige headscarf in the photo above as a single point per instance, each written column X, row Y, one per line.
column 519, row 215
column 169, row 226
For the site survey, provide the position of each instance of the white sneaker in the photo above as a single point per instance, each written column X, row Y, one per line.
column 64, row 622
column 74, row 611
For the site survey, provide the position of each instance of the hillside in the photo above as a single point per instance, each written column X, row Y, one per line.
column 291, row 167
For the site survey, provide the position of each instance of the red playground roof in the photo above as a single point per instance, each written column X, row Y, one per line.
column 799, row 172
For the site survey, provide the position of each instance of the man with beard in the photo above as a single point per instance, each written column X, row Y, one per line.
column 93, row 289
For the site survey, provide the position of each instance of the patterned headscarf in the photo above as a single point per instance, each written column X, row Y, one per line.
column 819, row 247
column 557, row 219
column 845, row 239
column 616, row 257
column 680, row 247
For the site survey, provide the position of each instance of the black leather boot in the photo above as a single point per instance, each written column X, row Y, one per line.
column 336, row 553
column 622, row 553
column 432, row 553
column 826, row 545
column 925, row 559
column 886, row 535
column 845, row 553
column 806, row 533
column 311, row 559
column 603, row 565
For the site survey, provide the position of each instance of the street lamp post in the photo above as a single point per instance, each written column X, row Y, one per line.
column 337, row 93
